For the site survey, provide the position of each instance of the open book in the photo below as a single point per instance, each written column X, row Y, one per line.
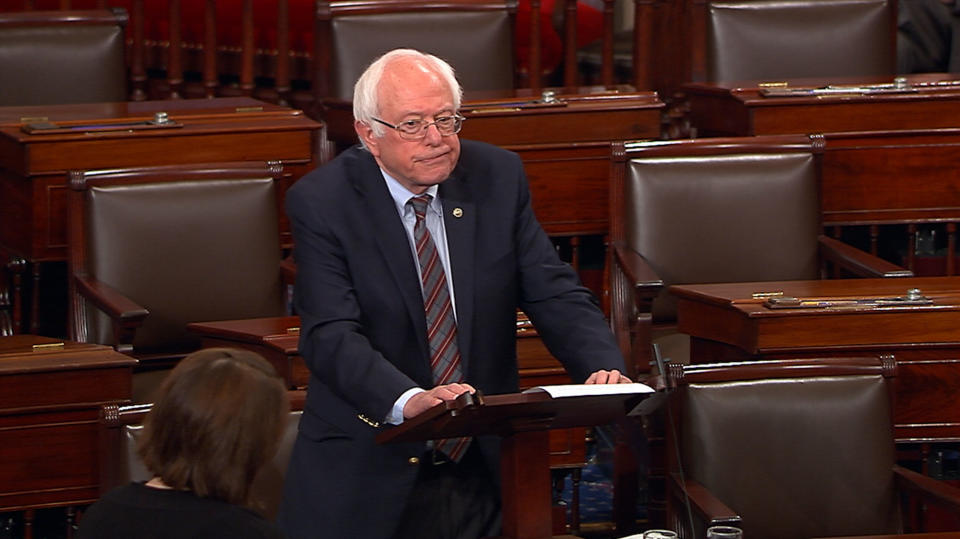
column 581, row 390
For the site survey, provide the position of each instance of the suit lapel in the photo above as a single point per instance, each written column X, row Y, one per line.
column 460, row 221
column 392, row 240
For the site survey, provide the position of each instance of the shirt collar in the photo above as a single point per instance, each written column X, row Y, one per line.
column 401, row 194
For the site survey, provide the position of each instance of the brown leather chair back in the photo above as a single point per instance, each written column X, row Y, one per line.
column 775, row 39
column 717, row 214
column 189, row 244
column 474, row 36
column 798, row 449
column 51, row 57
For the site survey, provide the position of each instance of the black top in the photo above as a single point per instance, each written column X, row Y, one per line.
column 136, row 510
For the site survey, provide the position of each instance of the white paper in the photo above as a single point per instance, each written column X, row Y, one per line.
column 580, row 390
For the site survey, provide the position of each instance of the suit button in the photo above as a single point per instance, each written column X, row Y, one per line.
column 413, row 461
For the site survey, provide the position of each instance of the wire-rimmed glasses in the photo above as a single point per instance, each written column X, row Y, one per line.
column 417, row 129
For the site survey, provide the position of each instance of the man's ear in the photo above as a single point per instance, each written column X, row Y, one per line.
column 366, row 135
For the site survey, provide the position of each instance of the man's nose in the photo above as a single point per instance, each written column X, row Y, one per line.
column 432, row 136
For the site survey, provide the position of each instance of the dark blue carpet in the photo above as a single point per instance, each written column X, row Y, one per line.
column 596, row 485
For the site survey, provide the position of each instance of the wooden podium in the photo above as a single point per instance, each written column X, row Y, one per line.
column 523, row 420
column 277, row 339
column 730, row 322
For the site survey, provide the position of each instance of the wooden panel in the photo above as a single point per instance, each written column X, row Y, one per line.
column 591, row 115
column 56, row 453
column 199, row 144
column 569, row 186
column 742, row 109
column 893, row 176
column 49, row 418
column 276, row 339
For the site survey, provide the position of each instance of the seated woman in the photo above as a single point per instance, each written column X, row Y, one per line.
column 217, row 420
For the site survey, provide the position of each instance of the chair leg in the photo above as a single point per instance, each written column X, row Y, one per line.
column 575, row 501
column 28, row 517
column 626, row 487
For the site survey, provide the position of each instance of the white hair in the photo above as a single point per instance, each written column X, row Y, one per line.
column 366, row 101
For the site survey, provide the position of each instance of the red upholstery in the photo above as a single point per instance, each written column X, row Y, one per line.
column 589, row 28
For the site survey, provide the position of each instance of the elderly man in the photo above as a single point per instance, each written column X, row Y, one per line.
column 414, row 252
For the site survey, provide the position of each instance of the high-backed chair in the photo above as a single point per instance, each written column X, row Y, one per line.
column 709, row 211
column 152, row 249
column 52, row 57
column 775, row 39
column 120, row 428
column 792, row 449
column 475, row 36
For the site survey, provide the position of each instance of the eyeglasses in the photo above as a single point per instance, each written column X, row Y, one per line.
column 417, row 129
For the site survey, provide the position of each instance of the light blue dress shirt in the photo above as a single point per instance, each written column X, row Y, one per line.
column 434, row 219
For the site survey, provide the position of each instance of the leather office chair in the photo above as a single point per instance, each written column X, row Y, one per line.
column 52, row 57
column 152, row 249
column 711, row 211
column 120, row 428
column 776, row 39
column 792, row 449
column 475, row 36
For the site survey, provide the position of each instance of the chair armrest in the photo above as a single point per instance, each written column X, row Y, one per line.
column 110, row 300
column 857, row 261
column 644, row 280
column 633, row 287
column 930, row 489
column 703, row 503
column 125, row 314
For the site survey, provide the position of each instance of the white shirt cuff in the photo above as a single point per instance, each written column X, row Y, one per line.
column 395, row 417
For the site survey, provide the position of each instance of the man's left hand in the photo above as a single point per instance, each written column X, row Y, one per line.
column 608, row 377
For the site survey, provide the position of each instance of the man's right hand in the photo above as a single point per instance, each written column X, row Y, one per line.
column 425, row 400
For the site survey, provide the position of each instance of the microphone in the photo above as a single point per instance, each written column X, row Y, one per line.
column 654, row 401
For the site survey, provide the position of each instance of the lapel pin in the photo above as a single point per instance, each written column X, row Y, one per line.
column 458, row 212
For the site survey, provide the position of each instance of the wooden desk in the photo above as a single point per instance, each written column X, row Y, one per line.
column 34, row 166
column 742, row 109
column 50, row 396
column 277, row 339
column 726, row 324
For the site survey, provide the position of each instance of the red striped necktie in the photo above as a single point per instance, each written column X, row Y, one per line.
column 441, row 324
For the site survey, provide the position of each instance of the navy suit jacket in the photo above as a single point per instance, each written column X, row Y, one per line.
column 363, row 330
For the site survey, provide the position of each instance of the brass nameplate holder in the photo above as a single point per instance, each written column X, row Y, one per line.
column 900, row 85
column 48, row 346
column 160, row 121
column 913, row 297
